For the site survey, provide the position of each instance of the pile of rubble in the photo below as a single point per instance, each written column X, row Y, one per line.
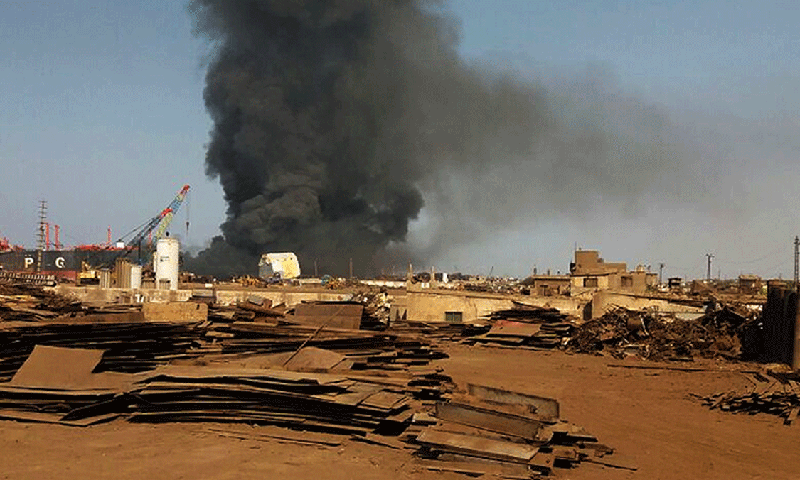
column 310, row 392
column 62, row 385
column 526, row 326
column 312, row 371
column 621, row 332
column 25, row 302
column 778, row 395
column 488, row 430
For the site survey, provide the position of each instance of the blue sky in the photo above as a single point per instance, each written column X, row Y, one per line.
column 102, row 114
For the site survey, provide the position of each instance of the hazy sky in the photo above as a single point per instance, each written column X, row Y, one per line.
column 102, row 114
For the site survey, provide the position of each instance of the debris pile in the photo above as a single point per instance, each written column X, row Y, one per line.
column 526, row 326
column 454, row 332
column 24, row 302
column 480, row 430
column 129, row 346
column 58, row 385
column 491, row 430
column 362, row 349
column 366, row 310
column 621, row 332
column 780, row 396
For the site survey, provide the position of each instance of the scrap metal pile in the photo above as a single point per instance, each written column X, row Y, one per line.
column 26, row 302
column 488, row 430
column 62, row 385
column 311, row 371
column 526, row 326
column 483, row 430
column 776, row 394
column 621, row 332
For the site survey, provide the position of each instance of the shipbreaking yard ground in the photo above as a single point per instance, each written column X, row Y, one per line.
column 647, row 415
column 258, row 355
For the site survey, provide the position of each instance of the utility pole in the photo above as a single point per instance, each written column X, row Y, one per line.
column 42, row 226
column 709, row 256
column 660, row 272
column 316, row 273
column 796, row 260
column 351, row 267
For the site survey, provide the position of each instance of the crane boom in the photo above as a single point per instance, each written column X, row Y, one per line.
column 160, row 222
column 169, row 212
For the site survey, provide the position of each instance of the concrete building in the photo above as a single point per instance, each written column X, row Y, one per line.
column 436, row 306
column 750, row 284
column 549, row 285
column 589, row 272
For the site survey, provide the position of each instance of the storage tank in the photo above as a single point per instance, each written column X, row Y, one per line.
column 105, row 278
column 136, row 277
column 165, row 263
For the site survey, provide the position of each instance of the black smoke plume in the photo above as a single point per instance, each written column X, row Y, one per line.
column 329, row 114
column 333, row 117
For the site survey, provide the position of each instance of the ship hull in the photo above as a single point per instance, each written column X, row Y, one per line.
column 63, row 264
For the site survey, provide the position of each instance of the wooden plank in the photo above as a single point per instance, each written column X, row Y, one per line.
column 477, row 446
column 488, row 420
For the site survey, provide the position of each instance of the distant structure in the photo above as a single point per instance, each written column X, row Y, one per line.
column 284, row 265
column 750, row 284
column 590, row 271
column 166, row 263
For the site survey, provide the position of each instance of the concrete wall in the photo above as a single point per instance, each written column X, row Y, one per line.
column 175, row 312
column 385, row 283
column 588, row 262
column 431, row 306
column 604, row 282
column 231, row 297
column 94, row 294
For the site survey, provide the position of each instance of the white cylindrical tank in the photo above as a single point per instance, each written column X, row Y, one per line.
column 136, row 277
column 165, row 263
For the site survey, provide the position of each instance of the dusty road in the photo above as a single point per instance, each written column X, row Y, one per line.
column 647, row 415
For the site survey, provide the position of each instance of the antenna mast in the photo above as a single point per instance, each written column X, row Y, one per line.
column 42, row 226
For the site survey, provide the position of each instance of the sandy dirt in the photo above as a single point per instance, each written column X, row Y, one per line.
column 648, row 416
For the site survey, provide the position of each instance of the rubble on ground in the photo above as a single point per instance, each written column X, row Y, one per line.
column 526, row 326
column 314, row 370
column 621, row 332
column 776, row 394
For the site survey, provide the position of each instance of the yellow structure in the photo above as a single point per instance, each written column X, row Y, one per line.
column 284, row 264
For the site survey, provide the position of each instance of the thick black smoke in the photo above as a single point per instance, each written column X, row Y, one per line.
column 333, row 118
column 330, row 114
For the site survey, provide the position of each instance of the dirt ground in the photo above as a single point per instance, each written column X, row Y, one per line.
column 648, row 416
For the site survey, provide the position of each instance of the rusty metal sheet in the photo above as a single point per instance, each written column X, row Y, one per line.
column 332, row 315
column 385, row 400
column 543, row 406
column 58, row 368
column 488, row 420
column 312, row 358
column 477, row 446
column 503, row 328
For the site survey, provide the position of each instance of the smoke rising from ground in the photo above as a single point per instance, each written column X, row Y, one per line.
column 337, row 121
